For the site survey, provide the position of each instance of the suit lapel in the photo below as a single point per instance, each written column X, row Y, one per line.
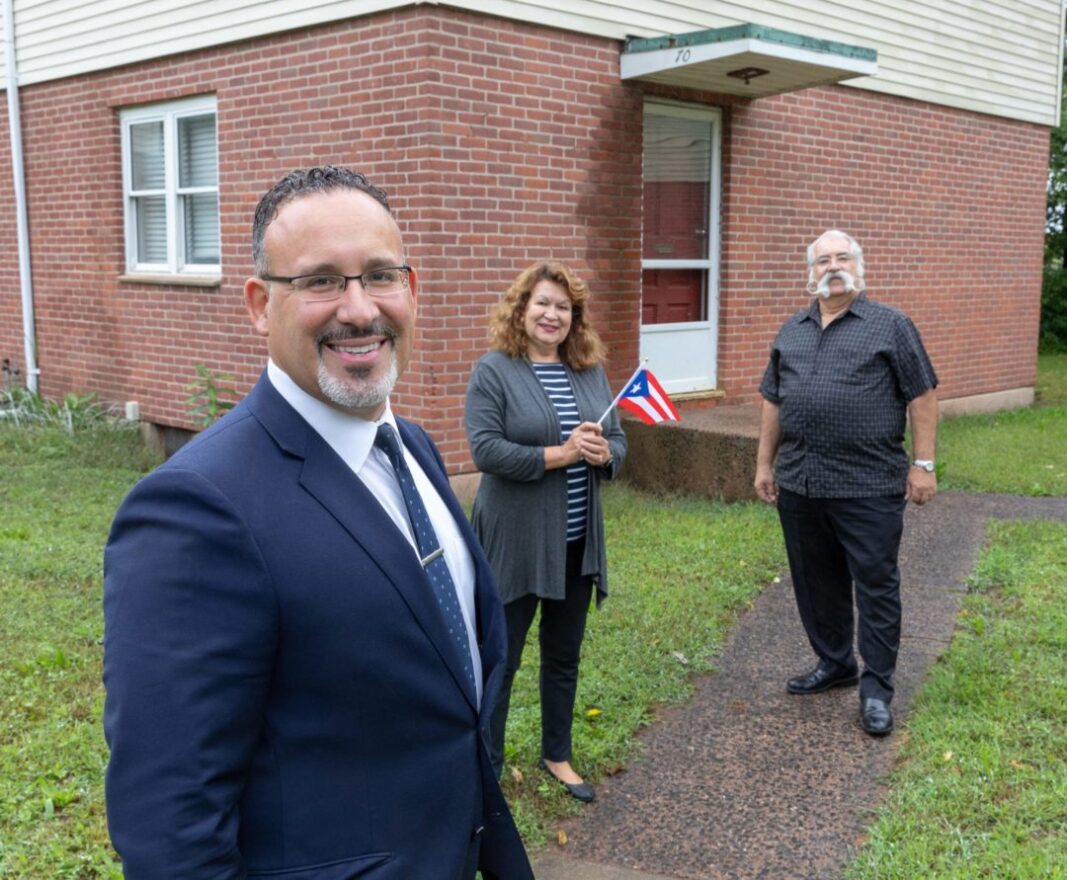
column 329, row 480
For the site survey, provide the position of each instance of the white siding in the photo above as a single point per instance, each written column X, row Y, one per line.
column 3, row 54
column 993, row 56
column 58, row 38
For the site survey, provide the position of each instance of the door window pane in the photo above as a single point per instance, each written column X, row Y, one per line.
column 677, row 187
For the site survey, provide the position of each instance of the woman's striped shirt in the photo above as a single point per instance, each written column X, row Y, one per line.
column 553, row 378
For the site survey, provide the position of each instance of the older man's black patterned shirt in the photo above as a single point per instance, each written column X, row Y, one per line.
column 842, row 394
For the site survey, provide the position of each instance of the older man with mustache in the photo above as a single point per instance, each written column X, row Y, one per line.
column 843, row 376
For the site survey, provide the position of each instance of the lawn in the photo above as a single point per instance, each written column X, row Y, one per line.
column 1051, row 387
column 983, row 755
column 56, row 500
column 681, row 570
column 1021, row 452
column 981, row 787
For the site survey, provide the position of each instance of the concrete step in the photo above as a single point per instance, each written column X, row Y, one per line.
column 710, row 452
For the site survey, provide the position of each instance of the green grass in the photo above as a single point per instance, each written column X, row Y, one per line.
column 1019, row 452
column 679, row 570
column 1051, row 387
column 981, row 788
column 56, row 500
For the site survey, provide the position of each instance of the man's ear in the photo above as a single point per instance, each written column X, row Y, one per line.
column 257, row 301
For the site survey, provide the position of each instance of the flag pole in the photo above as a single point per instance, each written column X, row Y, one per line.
column 622, row 391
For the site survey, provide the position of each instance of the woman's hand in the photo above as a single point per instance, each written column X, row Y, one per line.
column 586, row 443
column 592, row 444
column 572, row 449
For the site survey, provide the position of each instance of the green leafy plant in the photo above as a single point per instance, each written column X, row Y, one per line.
column 208, row 399
column 73, row 412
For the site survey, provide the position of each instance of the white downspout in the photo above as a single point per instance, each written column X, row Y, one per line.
column 29, row 332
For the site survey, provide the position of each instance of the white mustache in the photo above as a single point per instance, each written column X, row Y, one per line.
column 823, row 287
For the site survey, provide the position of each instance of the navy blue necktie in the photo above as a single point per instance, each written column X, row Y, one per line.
column 432, row 556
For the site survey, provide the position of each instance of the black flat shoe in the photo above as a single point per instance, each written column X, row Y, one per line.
column 877, row 719
column 581, row 791
column 821, row 679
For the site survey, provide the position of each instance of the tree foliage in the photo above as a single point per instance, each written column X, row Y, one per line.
column 1054, row 288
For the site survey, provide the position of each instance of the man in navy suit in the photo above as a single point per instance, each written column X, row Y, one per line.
column 291, row 691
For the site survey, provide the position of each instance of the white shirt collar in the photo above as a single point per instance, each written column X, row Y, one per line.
column 349, row 436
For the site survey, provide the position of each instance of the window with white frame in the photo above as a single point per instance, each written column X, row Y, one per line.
column 170, row 173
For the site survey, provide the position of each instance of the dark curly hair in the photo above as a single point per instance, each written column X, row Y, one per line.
column 581, row 349
column 327, row 178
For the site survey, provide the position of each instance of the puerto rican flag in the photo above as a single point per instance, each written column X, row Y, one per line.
column 647, row 400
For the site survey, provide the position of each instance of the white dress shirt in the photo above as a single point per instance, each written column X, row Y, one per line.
column 352, row 438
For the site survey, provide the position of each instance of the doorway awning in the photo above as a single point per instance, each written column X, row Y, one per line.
column 748, row 60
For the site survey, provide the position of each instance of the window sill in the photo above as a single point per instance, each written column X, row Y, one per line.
column 173, row 280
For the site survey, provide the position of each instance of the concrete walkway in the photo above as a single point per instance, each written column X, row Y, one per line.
column 748, row 782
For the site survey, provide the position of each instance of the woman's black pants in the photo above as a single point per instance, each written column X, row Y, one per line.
column 560, row 633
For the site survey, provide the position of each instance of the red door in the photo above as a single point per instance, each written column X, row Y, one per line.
column 675, row 220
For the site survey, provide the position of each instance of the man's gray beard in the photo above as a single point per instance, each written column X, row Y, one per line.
column 823, row 287
column 356, row 393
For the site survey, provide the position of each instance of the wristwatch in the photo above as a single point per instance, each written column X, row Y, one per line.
column 922, row 464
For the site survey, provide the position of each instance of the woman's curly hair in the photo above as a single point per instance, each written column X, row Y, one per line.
column 581, row 349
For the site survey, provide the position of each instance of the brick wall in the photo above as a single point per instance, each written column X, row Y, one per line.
column 500, row 143
column 949, row 207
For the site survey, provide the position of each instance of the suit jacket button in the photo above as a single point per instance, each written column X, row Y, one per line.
column 476, row 833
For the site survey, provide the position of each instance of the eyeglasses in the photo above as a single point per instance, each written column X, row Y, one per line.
column 321, row 288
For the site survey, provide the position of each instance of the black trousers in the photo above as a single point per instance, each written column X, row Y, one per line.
column 834, row 544
column 560, row 634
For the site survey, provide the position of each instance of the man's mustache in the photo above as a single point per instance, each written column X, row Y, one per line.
column 823, row 287
column 377, row 327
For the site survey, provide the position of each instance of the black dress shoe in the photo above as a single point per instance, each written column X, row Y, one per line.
column 820, row 679
column 877, row 719
column 581, row 791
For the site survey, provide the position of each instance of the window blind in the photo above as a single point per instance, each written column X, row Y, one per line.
column 198, row 166
column 146, row 149
column 197, row 152
column 201, row 227
column 151, row 228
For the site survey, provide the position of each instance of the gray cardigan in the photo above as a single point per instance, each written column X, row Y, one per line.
column 520, row 511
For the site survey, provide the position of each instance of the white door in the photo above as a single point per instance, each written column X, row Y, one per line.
column 680, row 245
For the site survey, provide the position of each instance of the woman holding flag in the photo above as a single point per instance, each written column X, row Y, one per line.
column 532, row 413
